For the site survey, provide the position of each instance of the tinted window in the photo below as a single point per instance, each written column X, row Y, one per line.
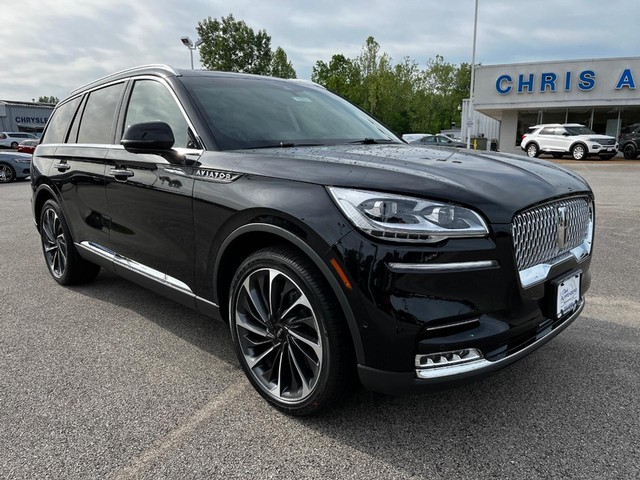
column 548, row 131
column 253, row 113
column 56, row 131
column 98, row 117
column 152, row 102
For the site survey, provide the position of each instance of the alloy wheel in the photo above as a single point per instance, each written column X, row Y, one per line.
column 54, row 243
column 279, row 335
column 6, row 174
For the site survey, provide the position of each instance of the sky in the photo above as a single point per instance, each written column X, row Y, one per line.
column 50, row 47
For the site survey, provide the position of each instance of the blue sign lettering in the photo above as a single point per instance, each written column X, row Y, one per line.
column 522, row 83
column 626, row 80
column 503, row 90
column 567, row 82
column 587, row 80
column 32, row 120
column 548, row 80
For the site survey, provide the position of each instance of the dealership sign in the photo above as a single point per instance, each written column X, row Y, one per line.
column 31, row 120
column 584, row 80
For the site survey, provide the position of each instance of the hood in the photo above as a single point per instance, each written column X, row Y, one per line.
column 498, row 185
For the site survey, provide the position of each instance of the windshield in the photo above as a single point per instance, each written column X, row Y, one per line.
column 580, row 131
column 246, row 112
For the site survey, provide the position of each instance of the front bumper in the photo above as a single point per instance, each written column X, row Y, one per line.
column 448, row 376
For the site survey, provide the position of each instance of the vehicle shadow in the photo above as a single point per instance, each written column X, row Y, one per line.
column 208, row 334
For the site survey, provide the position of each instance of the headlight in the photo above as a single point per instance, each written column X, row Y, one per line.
column 595, row 140
column 406, row 219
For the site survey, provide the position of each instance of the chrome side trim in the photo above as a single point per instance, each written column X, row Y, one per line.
column 440, row 267
column 208, row 302
column 486, row 365
column 136, row 267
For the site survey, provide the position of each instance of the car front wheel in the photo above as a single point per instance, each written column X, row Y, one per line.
column 289, row 335
column 630, row 152
column 578, row 152
column 64, row 263
column 7, row 173
column 532, row 150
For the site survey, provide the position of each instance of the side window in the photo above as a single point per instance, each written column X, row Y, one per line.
column 56, row 131
column 98, row 116
column 548, row 131
column 152, row 102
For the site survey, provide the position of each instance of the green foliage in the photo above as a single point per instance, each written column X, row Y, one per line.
column 53, row 100
column 281, row 66
column 231, row 45
column 402, row 96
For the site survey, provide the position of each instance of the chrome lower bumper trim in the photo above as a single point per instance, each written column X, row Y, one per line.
column 480, row 366
column 440, row 267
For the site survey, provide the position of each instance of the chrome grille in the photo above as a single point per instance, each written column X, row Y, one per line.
column 535, row 231
column 607, row 141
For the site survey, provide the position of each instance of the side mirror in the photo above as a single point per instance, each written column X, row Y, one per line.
column 151, row 137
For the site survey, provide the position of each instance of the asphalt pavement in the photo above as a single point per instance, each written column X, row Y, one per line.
column 112, row 381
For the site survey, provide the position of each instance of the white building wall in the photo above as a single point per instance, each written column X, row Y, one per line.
column 483, row 125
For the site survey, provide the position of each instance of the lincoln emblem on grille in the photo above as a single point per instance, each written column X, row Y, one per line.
column 563, row 227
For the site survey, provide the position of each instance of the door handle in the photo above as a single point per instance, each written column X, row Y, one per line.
column 62, row 167
column 121, row 174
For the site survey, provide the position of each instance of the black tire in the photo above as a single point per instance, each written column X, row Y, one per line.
column 288, row 332
column 14, row 145
column 579, row 152
column 557, row 155
column 532, row 150
column 630, row 151
column 608, row 156
column 63, row 261
column 7, row 173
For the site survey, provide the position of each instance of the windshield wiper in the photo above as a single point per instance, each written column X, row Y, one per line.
column 373, row 141
column 288, row 145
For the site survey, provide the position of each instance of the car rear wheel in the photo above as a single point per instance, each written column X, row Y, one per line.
column 630, row 152
column 579, row 152
column 532, row 150
column 64, row 263
column 7, row 173
column 288, row 332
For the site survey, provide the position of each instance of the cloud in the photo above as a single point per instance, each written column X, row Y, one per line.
column 54, row 46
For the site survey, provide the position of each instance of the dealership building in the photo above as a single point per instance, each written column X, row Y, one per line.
column 600, row 94
column 24, row 116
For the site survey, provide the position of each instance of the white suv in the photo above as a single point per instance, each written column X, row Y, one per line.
column 569, row 138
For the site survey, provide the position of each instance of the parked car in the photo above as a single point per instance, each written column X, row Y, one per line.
column 13, row 139
column 412, row 137
column 329, row 246
column 28, row 146
column 14, row 166
column 629, row 141
column 439, row 139
column 570, row 138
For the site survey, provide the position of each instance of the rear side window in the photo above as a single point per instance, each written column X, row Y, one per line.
column 97, row 121
column 56, row 131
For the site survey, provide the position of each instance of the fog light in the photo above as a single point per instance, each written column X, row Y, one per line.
column 447, row 359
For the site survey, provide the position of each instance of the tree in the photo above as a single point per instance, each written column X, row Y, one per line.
column 280, row 65
column 232, row 46
column 53, row 100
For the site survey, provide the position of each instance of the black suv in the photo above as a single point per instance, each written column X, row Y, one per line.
column 329, row 245
column 630, row 141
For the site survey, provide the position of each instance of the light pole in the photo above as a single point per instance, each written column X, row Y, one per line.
column 186, row 41
column 473, row 71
